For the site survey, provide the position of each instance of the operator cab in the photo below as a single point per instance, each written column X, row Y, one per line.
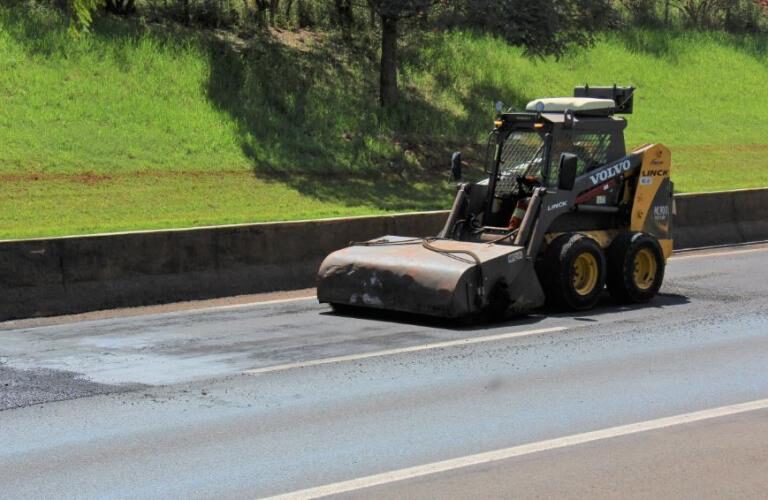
column 529, row 145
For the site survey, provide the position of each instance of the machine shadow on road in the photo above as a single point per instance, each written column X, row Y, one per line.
column 606, row 306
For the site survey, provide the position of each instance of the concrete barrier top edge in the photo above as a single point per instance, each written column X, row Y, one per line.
column 297, row 222
column 730, row 191
column 228, row 226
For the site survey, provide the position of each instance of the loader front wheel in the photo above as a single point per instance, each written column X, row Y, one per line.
column 575, row 272
column 635, row 268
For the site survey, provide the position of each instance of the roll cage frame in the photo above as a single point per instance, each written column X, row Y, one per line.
column 553, row 126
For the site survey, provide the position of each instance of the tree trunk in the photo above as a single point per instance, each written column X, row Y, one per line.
column 372, row 10
column 262, row 8
column 186, row 12
column 345, row 17
column 388, row 76
column 274, row 8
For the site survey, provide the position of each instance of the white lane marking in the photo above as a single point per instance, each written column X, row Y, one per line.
column 516, row 451
column 725, row 246
column 241, row 306
column 718, row 254
column 403, row 350
column 23, row 324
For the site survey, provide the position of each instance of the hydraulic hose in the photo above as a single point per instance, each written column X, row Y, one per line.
column 427, row 243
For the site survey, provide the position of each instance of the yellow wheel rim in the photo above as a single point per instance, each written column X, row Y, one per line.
column 585, row 274
column 645, row 267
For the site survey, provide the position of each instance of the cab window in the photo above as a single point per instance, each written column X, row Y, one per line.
column 591, row 148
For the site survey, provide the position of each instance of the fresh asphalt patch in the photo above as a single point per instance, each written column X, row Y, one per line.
column 20, row 388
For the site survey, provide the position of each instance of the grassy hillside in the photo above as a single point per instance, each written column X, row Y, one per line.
column 150, row 127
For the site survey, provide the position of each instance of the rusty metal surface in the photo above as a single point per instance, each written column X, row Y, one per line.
column 402, row 275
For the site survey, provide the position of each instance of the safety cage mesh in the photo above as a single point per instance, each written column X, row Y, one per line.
column 521, row 150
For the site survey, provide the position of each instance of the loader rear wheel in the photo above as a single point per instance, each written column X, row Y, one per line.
column 574, row 272
column 635, row 268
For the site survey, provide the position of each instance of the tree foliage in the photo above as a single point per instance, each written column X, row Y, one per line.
column 740, row 16
column 82, row 13
column 646, row 12
column 543, row 27
column 702, row 13
column 400, row 9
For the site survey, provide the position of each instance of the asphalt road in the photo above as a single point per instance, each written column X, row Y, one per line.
column 666, row 400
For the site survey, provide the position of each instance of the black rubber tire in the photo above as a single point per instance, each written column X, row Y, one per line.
column 557, row 271
column 621, row 261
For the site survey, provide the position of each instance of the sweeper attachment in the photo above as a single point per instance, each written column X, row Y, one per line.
column 564, row 212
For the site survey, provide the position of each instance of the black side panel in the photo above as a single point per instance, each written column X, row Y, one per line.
column 580, row 221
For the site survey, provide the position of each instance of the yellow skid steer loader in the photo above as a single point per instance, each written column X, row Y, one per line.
column 564, row 212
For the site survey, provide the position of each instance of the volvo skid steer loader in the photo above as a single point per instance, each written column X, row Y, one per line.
column 564, row 212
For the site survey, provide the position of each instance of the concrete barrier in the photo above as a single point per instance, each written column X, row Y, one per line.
column 720, row 218
column 84, row 273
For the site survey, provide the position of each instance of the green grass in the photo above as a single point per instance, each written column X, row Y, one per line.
column 92, row 203
column 137, row 127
